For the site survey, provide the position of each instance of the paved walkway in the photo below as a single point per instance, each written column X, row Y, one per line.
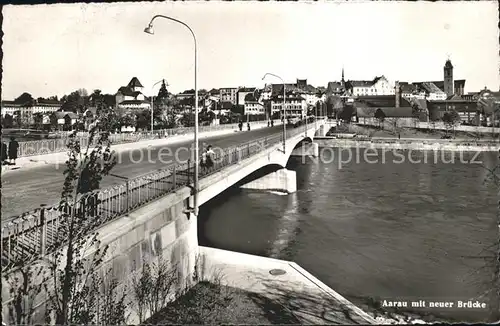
column 311, row 301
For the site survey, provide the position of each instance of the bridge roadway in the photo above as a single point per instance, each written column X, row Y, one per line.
column 23, row 191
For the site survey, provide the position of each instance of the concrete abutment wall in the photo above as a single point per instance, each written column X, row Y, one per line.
column 281, row 180
column 159, row 229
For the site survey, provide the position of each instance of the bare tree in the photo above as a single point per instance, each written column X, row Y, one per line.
column 153, row 287
column 451, row 119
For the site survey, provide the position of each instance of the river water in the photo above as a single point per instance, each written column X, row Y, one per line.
column 373, row 231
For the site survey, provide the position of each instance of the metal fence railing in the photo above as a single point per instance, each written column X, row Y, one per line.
column 36, row 233
column 57, row 145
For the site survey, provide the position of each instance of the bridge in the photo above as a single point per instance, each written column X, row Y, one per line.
column 151, row 214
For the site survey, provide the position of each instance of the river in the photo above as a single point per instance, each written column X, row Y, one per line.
column 408, row 231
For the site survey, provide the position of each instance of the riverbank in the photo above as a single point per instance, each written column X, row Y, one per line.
column 410, row 144
column 213, row 304
column 239, row 288
column 285, row 283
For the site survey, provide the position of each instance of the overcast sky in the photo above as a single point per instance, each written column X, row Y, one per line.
column 55, row 49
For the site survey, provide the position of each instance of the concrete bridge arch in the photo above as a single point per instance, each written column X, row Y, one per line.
column 281, row 180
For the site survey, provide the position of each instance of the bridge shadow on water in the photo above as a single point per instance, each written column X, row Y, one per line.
column 301, row 202
column 207, row 208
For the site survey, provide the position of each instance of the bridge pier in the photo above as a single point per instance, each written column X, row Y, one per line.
column 309, row 149
column 281, row 180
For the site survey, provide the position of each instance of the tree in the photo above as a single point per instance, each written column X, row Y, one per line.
column 451, row 119
column 96, row 98
column 24, row 99
column 333, row 105
column 84, row 172
column 75, row 102
column 38, row 120
column 380, row 116
column 76, row 291
column 163, row 93
column 7, row 121
column 170, row 120
column 346, row 113
column 187, row 119
column 54, row 124
column 206, row 116
column 127, row 120
column 238, row 109
column 18, row 120
column 416, row 113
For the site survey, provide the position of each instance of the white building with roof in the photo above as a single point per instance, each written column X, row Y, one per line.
column 131, row 98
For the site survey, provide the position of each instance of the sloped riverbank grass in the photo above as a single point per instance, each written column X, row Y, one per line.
column 208, row 303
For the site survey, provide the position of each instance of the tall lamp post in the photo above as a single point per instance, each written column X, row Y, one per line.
column 153, row 102
column 149, row 30
column 284, row 111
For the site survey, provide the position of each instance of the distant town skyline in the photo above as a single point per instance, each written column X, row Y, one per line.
column 55, row 49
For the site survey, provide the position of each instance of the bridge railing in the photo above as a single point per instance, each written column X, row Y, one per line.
column 57, row 145
column 38, row 232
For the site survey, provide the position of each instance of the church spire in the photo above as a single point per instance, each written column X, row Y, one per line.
column 342, row 73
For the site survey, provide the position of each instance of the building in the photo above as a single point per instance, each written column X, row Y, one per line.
column 229, row 94
column 448, row 85
column 242, row 93
column 336, row 88
column 309, row 93
column 393, row 107
column 432, row 92
column 377, row 86
column 214, row 95
column 295, row 105
column 65, row 120
column 26, row 111
column 10, row 108
column 467, row 109
column 131, row 98
column 253, row 106
column 265, row 94
column 410, row 91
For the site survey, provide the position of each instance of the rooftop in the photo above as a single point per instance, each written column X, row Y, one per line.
column 389, row 112
column 247, row 89
column 133, row 102
column 380, row 101
column 440, row 84
column 134, row 82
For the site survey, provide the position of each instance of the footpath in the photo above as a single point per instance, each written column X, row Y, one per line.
column 30, row 162
column 285, row 282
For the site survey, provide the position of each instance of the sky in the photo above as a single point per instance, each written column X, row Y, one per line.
column 56, row 49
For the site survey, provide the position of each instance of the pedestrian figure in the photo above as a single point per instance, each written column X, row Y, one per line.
column 203, row 161
column 248, row 126
column 268, row 123
column 272, row 123
column 13, row 148
column 399, row 135
column 4, row 152
column 210, row 157
column 240, row 125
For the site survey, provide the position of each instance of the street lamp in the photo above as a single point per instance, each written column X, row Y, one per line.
column 153, row 101
column 284, row 111
column 149, row 30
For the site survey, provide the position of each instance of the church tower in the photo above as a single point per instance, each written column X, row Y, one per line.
column 342, row 80
column 449, row 87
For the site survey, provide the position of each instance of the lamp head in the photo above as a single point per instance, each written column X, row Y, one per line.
column 149, row 29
